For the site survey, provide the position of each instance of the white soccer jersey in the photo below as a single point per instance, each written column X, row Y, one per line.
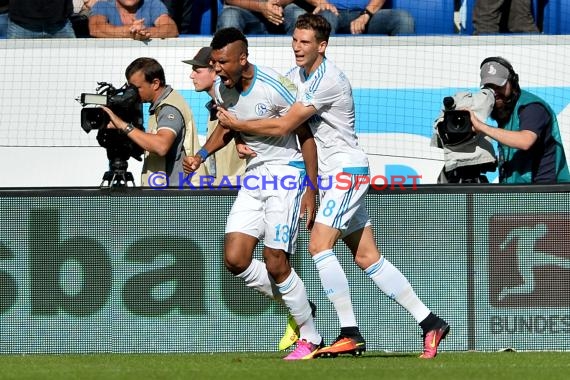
column 270, row 95
column 329, row 91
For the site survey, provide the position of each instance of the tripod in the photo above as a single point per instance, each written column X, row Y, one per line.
column 468, row 174
column 118, row 176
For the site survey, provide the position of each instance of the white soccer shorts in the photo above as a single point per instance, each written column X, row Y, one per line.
column 268, row 205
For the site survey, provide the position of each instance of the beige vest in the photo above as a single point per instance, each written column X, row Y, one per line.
column 155, row 163
column 226, row 161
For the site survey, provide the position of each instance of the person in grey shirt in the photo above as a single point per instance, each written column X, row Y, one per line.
column 3, row 18
column 503, row 16
column 171, row 131
column 40, row 19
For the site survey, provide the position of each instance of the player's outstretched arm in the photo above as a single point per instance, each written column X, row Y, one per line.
column 279, row 126
column 309, row 151
column 217, row 140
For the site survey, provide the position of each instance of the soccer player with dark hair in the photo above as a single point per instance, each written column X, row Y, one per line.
column 266, row 210
column 325, row 101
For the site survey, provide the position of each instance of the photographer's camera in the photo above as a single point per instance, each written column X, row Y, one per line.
column 125, row 103
column 456, row 126
column 467, row 155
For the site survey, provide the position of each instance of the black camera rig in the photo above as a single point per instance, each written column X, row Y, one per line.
column 125, row 103
column 467, row 155
column 456, row 126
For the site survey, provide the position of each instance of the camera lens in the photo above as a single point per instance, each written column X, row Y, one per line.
column 459, row 121
column 93, row 118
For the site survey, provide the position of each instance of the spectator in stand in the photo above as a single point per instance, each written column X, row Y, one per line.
column 3, row 17
column 364, row 17
column 261, row 17
column 503, row 16
column 181, row 13
column 80, row 17
column 136, row 19
column 40, row 19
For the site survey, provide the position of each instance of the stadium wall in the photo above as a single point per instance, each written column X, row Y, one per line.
column 131, row 270
column 398, row 82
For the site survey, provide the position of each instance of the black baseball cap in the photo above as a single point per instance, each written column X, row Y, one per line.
column 202, row 58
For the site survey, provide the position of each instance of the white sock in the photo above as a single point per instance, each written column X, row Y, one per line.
column 257, row 277
column 294, row 297
column 335, row 285
column 393, row 283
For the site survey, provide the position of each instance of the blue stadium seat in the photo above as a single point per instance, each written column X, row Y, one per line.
column 210, row 17
column 431, row 16
column 556, row 16
column 467, row 8
column 537, row 6
column 204, row 16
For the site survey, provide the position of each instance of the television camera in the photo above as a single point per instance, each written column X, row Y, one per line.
column 125, row 103
column 467, row 155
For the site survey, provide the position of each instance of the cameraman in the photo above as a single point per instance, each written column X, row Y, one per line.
column 529, row 141
column 171, row 129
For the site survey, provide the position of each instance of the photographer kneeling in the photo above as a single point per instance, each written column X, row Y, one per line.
column 171, row 128
column 529, row 141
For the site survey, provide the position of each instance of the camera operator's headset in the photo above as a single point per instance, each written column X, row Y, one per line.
column 513, row 76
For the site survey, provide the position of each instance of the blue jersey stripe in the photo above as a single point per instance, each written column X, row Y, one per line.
column 318, row 77
column 278, row 86
column 290, row 98
column 356, row 170
column 250, row 88
column 296, row 212
column 297, row 164
column 337, row 221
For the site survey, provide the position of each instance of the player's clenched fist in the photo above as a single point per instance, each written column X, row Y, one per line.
column 191, row 164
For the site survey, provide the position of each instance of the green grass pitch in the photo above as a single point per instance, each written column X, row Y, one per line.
column 270, row 366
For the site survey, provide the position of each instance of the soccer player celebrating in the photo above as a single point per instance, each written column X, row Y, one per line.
column 325, row 101
column 264, row 210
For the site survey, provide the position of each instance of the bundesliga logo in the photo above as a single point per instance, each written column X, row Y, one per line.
column 529, row 265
